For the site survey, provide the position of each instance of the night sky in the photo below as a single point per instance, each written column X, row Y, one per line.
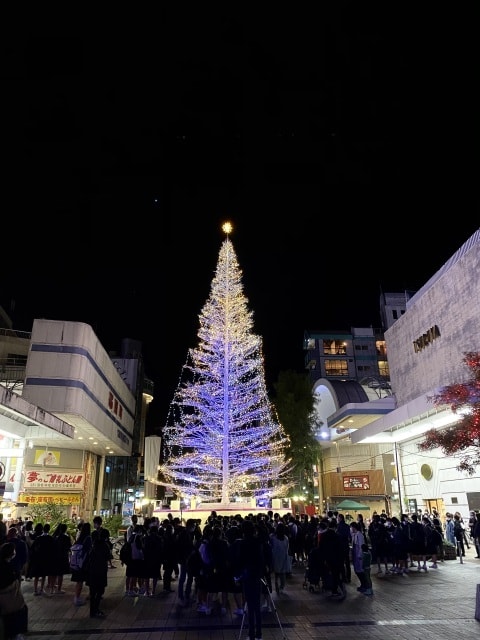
column 343, row 148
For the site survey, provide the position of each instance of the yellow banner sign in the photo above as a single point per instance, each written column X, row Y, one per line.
column 38, row 498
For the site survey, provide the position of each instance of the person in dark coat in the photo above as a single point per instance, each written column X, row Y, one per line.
column 169, row 558
column 252, row 564
column 153, row 552
column 98, row 524
column 16, row 622
column 417, row 545
column 47, row 551
column 21, row 551
column 84, row 537
column 96, row 572
column 476, row 533
column 218, row 579
column 3, row 530
column 63, row 542
column 39, row 567
column 331, row 551
column 184, row 545
column 434, row 541
column 343, row 530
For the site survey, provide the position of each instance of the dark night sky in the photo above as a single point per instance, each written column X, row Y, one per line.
column 344, row 148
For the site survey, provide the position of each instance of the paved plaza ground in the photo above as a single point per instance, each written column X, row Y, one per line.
column 432, row 605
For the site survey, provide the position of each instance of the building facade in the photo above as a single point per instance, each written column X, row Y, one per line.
column 426, row 345
column 358, row 354
column 72, row 422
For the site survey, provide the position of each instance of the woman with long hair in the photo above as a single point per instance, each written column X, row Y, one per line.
column 63, row 542
column 79, row 576
column 38, row 562
column 97, row 570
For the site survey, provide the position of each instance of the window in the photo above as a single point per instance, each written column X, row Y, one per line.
column 336, row 368
column 381, row 348
column 383, row 368
column 361, row 347
column 16, row 360
column 334, row 348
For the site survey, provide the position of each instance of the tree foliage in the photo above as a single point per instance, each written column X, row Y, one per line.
column 55, row 514
column 295, row 404
column 52, row 513
column 463, row 438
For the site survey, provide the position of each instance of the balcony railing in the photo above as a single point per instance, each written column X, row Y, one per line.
column 148, row 386
column 12, row 333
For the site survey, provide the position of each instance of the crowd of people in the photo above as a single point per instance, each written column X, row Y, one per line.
column 395, row 545
column 230, row 560
column 35, row 553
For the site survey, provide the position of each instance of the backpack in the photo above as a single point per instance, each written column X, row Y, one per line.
column 77, row 556
column 204, row 550
column 434, row 535
column 136, row 546
column 194, row 563
column 126, row 553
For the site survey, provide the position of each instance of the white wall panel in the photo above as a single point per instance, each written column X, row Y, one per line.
column 69, row 373
column 452, row 303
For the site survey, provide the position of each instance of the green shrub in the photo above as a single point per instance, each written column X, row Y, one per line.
column 113, row 524
column 54, row 514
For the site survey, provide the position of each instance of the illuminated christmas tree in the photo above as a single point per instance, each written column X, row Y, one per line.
column 222, row 440
column 464, row 436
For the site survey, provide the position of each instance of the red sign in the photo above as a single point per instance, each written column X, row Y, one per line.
column 57, row 480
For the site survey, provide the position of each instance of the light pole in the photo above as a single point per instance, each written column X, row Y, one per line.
column 320, row 480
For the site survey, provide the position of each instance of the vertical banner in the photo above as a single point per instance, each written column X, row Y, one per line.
column 152, row 457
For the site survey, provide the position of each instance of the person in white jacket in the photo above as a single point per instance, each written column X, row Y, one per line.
column 357, row 555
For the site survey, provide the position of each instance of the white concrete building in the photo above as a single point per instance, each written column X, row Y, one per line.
column 426, row 347
column 71, row 409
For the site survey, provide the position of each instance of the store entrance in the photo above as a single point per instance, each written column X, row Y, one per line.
column 437, row 505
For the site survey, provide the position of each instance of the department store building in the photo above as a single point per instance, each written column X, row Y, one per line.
column 378, row 439
column 72, row 420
